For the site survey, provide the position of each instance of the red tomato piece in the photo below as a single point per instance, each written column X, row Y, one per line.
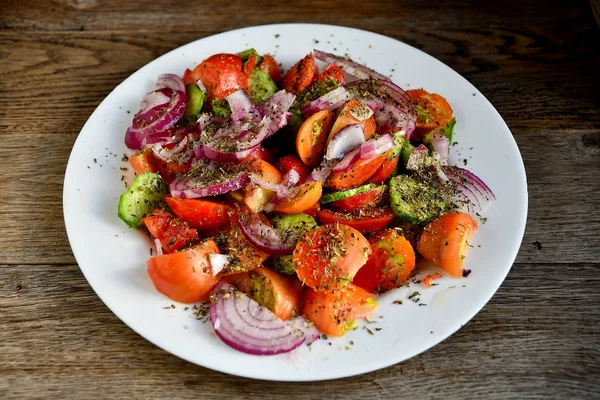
column 202, row 214
column 360, row 201
column 269, row 65
column 327, row 257
column 367, row 220
column 222, row 74
column 301, row 75
column 185, row 276
column 332, row 71
column 174, row 234
column 390, row 264
column 385, row 171
column 335, row 313
column 292, row 161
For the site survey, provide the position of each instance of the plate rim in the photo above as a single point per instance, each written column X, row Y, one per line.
column 250, row 374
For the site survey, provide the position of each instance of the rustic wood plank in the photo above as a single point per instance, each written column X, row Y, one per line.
column 78, row 69
column 56, row 330
column 562, row 168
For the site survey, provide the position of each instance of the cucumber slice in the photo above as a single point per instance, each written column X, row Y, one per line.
column 195, row 101
column 335, row 196
column 414, row 201
column 221, row 108
column 405, row 153
column 291, row 226
column 144, row 196
column 445, row 130
column 261, row 86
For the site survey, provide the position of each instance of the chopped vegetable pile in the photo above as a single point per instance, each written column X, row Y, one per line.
column 290, row 202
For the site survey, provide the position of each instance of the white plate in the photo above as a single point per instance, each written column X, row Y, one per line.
column 113, row 258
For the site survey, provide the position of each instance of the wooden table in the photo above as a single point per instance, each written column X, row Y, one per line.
column 537, row 62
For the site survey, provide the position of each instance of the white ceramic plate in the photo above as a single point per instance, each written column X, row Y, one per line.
column 113, row 257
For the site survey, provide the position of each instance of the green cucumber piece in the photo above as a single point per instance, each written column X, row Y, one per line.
column 344, row 194
column 291, row 226
column 405, row 153
column 261, row 86
column 221, row 108
column 414, row 201
column 144, row 196
column 245, row 55
column 445, row 130
column 195, row 101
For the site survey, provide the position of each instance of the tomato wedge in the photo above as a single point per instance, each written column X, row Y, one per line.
column 185, row 276
column 142, row 161
column 222, row 74
column 365, row 220
column 174, row 234
column 332, row 72
column 328, row 257
column 308, row 196
column 347, row 116
column 202, row 214
column 255, row 196
column 357, row 174
column 301, row 75
column 336, row 313
column 445, row 241
column 390, row 264
column 360, row 201
column 292, row 161
column 270, row 66
column 433, row 111
column 386, row 170
column 312, row 135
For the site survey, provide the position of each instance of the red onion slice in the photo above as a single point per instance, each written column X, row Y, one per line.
column 170, row 81
column 329, row 101
column 441, row 144
column 181, row 149
column 157, row 119
column 418, row 158
column 347, row 161
column 245, row 325
column 344, row 141
column 376, row 146
column 478, row 196
column 244, row 113
column 263, row 236
column 158, row 245
column 353, row 68
column 393, row 108
column 209, row 179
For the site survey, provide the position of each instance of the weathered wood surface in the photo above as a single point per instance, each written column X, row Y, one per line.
column 537, row 62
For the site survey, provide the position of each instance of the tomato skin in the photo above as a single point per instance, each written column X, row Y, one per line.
column 345, row 117
column 359, row 201
column 433, row 110
column 390, row 264
column 312, row 137
column 328, row 257
column 255, row 196
column 357, row 174
column 445, row 241
column 186, row 276
column 142, row 161
column 174, row 234
column 202, row 214
column 308, row 197
column 385, row 171
column 333, row 72
column 269, row 65
column 264, row 154
column 301, row 75
column 369, row 220
column 188, row 77
column 221, row 74
column 250, row 65
column 335, row 313
column 292, row 161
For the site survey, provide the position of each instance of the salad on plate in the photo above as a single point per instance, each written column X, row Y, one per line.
column 289, row 203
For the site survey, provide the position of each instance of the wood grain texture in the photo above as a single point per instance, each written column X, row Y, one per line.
column 537, row 62
column 515, row 347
